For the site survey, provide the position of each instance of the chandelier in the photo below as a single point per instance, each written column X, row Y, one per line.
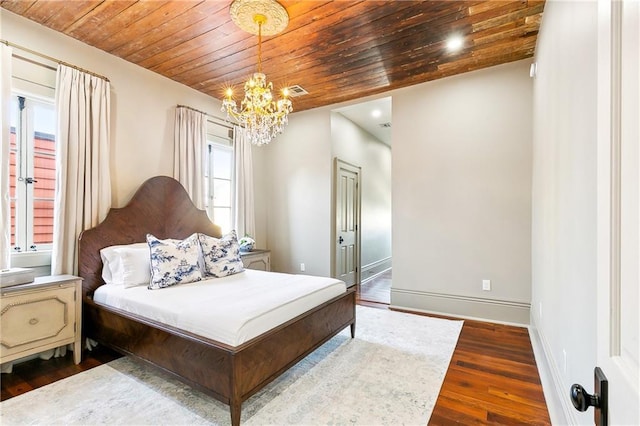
column 262, row 116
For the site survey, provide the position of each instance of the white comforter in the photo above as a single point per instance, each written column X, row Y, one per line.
column 230, row 310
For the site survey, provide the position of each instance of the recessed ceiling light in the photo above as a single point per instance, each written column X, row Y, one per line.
column 376, row 113
column 455, row 43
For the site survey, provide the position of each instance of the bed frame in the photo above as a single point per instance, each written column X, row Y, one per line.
column 162, row 207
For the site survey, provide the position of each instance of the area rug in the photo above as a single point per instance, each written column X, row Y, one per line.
column 390, row 374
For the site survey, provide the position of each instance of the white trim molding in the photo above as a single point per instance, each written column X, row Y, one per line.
column 375, row 269
column 561, row 411
column 492, row 310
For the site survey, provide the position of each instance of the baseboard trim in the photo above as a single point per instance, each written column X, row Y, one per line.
column 456, row 316
column 561, row 411
column 375, row 269
column 492, row 310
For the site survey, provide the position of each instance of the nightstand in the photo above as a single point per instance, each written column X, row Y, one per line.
column 41, row 315
column 257, row 259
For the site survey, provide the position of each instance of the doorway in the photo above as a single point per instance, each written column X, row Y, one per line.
column 361, row 136
column 347, row 220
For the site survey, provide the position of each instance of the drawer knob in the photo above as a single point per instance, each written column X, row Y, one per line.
column 33, row 321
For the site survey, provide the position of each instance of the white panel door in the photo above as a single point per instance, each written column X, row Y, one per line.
column 618, row 297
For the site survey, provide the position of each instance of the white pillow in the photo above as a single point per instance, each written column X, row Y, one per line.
column 174, row 261
column 112, row 262
column 135, row 266
column 221, row 256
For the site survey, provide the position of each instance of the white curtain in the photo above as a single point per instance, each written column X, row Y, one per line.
column 189, row 143
column 245, row 223
column 5, row 211
column 83, row 179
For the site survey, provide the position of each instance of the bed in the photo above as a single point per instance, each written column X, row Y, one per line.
column 230, row 373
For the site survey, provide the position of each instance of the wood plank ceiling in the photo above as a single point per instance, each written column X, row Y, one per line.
column 336, row 50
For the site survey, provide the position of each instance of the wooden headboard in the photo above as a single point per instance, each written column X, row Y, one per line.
column 161, row 207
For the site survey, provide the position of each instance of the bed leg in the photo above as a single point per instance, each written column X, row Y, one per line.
column 236, row 409
column 353, row 330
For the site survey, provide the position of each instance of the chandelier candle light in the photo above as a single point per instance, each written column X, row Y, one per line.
column 262, row 116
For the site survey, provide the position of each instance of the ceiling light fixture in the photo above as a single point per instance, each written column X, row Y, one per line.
column 376, row 113
column 455, row 43
column 262, row 116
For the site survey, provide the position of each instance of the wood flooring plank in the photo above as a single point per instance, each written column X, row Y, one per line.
column 450, row 412
column 522, row 414
column 532, row 398
column 377, row 290
column 497, row 381
column 500, row 419
column 482, row 394
column 508, row 366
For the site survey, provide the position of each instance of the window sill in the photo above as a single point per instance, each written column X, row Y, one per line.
column 31, row 259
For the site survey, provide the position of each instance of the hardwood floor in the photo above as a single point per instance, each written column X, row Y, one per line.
column 377, row 289
column 492, row 377
column 33, row 374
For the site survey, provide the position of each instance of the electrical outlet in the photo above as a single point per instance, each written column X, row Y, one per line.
column 302, row 267
column 486, row 285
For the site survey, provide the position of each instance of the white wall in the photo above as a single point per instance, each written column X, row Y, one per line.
column 354, row 145
column 462, row 194
column 564, row 203
column 296, row 183
column 293, row 178
column 142, row 103
column 461, row 176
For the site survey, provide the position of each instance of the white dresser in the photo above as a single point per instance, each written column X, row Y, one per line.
column 41, row 315
column 257, row 259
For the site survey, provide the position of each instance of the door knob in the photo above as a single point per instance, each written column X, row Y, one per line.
column 582, row 400
column 340, row 240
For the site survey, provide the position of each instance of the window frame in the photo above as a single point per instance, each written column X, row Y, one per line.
column 25, row 152
column 219, row 138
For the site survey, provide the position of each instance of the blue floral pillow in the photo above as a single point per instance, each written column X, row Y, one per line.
column 221, row 256
column 173, row 261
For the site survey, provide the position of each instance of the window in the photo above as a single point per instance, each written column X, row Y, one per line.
column 219, row 172
column 32, row 172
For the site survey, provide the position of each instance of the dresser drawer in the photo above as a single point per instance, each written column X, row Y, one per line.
column 257, row 259
column 37, row 318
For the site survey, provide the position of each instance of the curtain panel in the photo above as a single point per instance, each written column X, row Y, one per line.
column 245, row 223
column 83, row 178
column 189, row 143
column 5, row 211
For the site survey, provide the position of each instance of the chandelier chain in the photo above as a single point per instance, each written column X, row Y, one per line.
column 259, row 46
